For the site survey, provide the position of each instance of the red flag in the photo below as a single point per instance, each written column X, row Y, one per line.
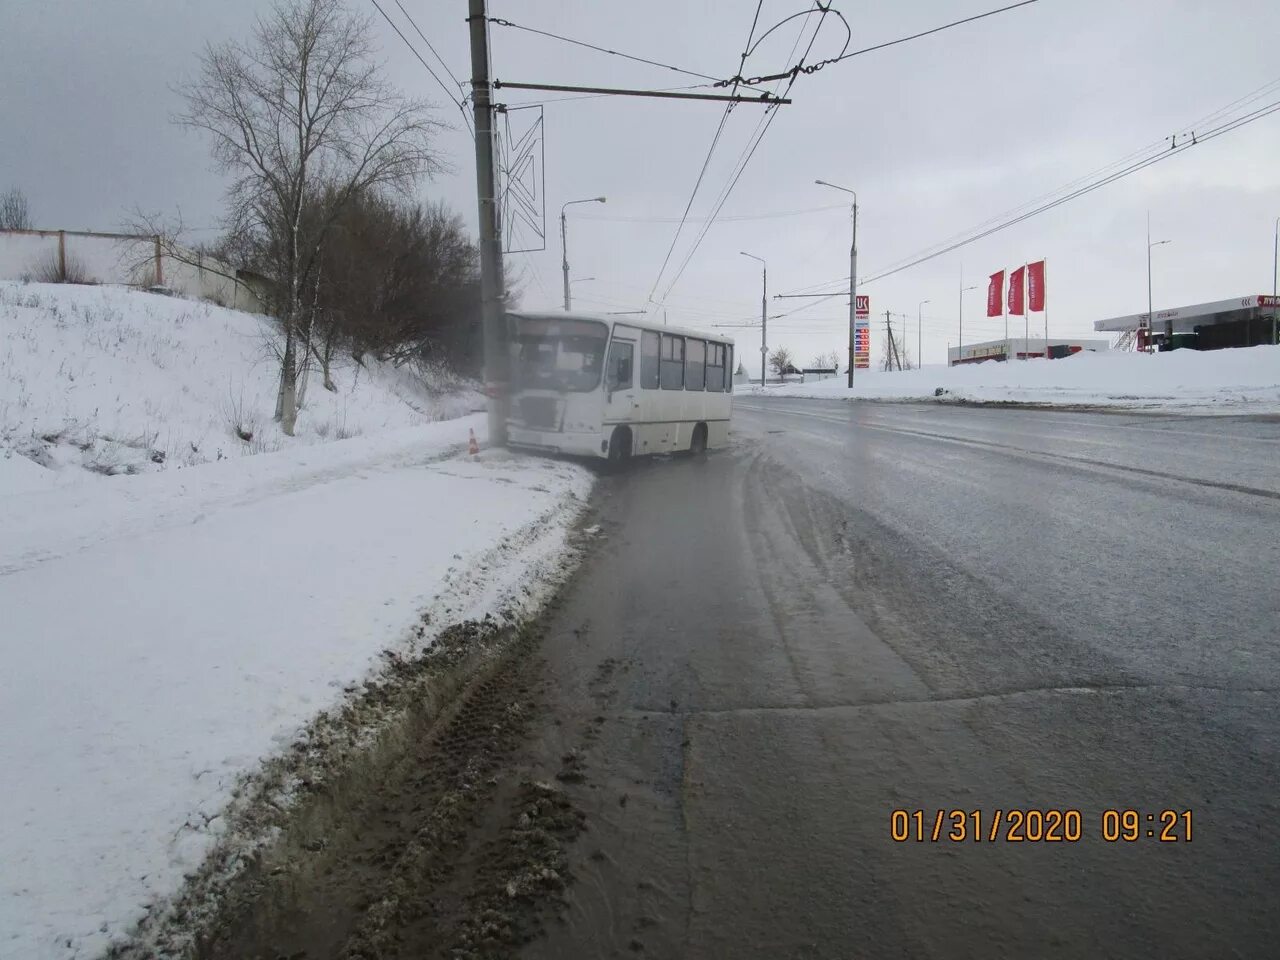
column 1015, row 291
column 1035, row 287
column 994, row 289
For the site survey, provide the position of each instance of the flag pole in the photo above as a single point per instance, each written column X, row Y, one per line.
column 1026, row 312
column 1004, row 306
column 1044, row 299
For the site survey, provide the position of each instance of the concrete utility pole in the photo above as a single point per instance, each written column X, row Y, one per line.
column 564, row 248
column 1151, row 317
column 963, row 291
column 853, row 271
column 892, row 345
column 920, row 334
column 764, row 319
column 493, row 292
column 1275, row 281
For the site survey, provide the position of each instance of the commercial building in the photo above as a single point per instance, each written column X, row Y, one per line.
column 1238, row 322
column 1020, row 348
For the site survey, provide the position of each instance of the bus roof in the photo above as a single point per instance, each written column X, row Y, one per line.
column 640, row 323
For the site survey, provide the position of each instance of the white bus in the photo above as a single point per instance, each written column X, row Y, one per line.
column 600, row 387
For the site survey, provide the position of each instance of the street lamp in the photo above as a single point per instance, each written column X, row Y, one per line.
column 853, row 268
column 1151, row 317
column 764, row 320
column 920, row 334
column 963, row 291
column 564, row 246
column 1275, row 287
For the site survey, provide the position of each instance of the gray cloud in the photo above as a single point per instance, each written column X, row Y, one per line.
column 936, row 136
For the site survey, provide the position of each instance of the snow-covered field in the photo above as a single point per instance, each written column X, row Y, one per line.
column 118, row 380
column 164, row 632
column 1245, row 380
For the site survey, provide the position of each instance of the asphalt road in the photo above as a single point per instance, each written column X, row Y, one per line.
column 861, row 608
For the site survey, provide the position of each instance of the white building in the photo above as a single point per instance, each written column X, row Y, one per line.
column 1237, row 322
column 1021, row 348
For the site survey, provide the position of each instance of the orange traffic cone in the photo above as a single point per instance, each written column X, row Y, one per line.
column 473, row 448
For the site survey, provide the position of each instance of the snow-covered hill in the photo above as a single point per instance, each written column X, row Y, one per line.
column 122, row 381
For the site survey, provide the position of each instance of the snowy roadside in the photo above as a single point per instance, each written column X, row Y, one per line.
column 165, row 633
column 1244, row 380
column 113, row 380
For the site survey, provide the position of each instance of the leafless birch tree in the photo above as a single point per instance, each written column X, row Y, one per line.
column 303, row 121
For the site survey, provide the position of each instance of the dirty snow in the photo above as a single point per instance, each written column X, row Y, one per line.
column 163, row 633
column 1243, row 380
column 166, row 631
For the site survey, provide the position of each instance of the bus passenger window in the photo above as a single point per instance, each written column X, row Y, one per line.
column 728, row 369
column 695, row 364
column 715, row 366
column 672, row 363
column 649, row 354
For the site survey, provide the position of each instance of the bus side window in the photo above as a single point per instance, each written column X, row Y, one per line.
column 729, row 369
column 672, row 362
column 649, row 357
column 695, row 364
column 715, row 366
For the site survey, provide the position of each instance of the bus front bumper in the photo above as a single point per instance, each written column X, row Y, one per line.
column 550, row 441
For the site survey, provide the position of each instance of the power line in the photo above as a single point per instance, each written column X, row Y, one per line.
column 778, row 214
column 1089, row 188
column 819, row 8
column 414, row 50
column 765, row 122
column 413, row 23
column 1116, row 164
column 1114, row 171
column 715, row 140
column 814, row 68
column 591, row 46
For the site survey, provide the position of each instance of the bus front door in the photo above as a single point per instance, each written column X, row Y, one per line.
column 622, row 405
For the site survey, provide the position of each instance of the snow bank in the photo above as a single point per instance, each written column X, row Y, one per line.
column 163, row 633
column 122, row 381
column 1218, row 381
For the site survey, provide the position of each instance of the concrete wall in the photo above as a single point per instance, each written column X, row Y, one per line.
column 124, row 259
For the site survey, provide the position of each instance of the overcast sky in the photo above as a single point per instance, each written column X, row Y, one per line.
column 937, row 136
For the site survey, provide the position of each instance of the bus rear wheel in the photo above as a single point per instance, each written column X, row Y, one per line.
column 698, row 445
column 619, row 447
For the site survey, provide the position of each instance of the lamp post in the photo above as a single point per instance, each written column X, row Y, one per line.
column 920, row 333
column 564, row 246
column 853, row 268
column 963, row 291
column 764, row 320
column 1151, row 317
column 1275, row 276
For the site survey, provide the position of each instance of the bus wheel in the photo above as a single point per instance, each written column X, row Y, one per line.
column 619, row 447
column 698, row 445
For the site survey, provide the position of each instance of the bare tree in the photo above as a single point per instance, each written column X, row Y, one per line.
column 398, row 275
column 826, row 361
column 780, row 361
column 14, row 212
column 303, row 120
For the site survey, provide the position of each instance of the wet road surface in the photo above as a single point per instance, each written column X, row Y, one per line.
column 865, row 608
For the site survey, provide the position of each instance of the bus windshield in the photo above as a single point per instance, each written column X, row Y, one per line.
column 554, row 354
